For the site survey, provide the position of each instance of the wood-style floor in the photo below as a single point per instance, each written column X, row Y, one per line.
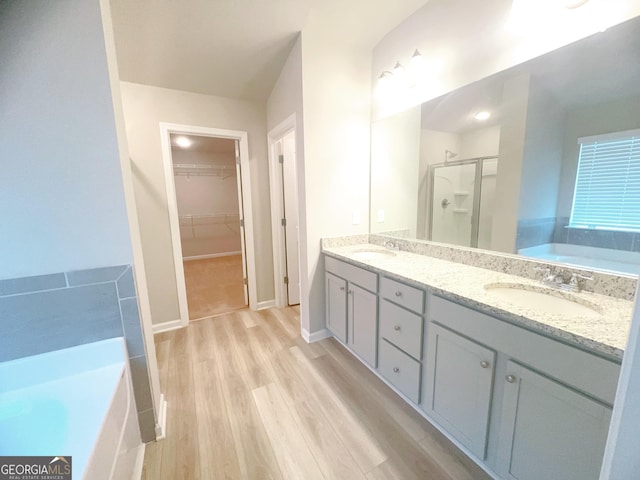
column 214, row 286
column 249, row 399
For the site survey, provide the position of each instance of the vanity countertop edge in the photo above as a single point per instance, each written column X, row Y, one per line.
column 604, row 334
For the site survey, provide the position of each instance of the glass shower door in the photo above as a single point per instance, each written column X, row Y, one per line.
column 452, row 204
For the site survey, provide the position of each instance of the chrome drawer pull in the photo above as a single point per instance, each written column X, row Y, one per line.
column 510, row 378
column 398, row 293
column 397, row 328
column 484, row 364
column 342, row 289
column 396, row 369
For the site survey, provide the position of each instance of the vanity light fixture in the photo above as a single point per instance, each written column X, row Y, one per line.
column 183, row 142
column 400, row 76
column 400, row 80
column 417, row 64
column 384, row 84
column 482, row 116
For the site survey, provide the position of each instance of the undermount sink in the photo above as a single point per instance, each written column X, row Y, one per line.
column 373, row 253
column 541, row 299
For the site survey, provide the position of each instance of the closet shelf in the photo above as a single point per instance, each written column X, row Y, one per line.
column 189, row 169
column 197, row 224
column 460, row 210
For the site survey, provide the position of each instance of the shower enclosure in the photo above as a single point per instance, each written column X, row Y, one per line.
column 461, row 201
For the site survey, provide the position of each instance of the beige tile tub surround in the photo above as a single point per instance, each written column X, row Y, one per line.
column 604, row 334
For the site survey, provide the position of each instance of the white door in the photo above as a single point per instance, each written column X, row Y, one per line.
column 242, row 229
column 290, row 207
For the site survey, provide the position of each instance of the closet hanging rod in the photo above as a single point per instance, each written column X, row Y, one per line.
column 224, row 171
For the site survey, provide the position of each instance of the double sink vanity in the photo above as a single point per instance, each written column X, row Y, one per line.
column 521, row 375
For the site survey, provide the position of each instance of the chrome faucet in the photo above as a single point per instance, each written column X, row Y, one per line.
column 391, row 246
column 567, row 281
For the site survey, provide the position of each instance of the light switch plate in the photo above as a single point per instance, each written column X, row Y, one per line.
column 356, row 217
column 380, row 216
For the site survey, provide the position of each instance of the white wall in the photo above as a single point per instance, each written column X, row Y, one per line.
column 336, row 86
column 542, row 155
column 395, row 158
column 480, row 142
column 515, row 99
column 144, row 108
column 608, row 117
column 62, row 201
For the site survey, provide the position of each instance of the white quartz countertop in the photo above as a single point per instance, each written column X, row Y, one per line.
column 604, row 333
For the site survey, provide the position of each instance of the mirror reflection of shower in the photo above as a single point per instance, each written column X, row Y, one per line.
column 461, row 200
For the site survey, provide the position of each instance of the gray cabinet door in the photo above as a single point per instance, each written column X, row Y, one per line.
column 458, row 387
column 549, row 431
column 363, row 321
column 336, row 291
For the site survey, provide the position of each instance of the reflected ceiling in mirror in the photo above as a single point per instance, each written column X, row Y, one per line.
column 494, row 164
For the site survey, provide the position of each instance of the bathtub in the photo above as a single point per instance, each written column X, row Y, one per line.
column 587, row 257
column 73, row 402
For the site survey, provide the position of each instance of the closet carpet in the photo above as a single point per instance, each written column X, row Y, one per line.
column 248, row 398
column 214, row 286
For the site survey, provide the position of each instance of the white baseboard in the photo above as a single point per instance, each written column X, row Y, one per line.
column 211, row 255
column 267, row 304
column 167, row 326
column 161, row 426
column 137, row 469
column 316, row 336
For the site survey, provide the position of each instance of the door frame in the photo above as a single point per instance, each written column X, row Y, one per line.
column 277, row 208
column 166, row 129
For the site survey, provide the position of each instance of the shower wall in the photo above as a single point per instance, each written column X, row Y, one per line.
column 453, row 204
column 207, row 197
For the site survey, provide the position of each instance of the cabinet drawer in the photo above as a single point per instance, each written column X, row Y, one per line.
column 400, row 369
column 359, row 276
column 401, row 328
column 409, row 297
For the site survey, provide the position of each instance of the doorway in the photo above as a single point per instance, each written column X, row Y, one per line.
column 210, row 215
column 284, row 212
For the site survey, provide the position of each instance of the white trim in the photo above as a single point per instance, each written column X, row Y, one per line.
column 266, row 304
column 211, row 255
column 161, row 426
column 167, row 326
column 275, row 188
column 315, row 336
column 140, row 278
column 139, row 465
column 242, row 137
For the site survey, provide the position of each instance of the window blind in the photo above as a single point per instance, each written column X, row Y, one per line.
column 607, row 193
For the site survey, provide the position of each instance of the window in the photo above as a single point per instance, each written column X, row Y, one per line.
column 607, row 194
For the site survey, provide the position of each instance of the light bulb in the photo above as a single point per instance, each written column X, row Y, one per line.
column 384, row 84
column 482, row 116
column 183, row 142
column 399, row 75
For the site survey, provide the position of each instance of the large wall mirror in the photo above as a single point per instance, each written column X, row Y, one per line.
column 541, row 160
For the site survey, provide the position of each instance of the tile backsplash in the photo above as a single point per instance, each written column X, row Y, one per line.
column 49, row 312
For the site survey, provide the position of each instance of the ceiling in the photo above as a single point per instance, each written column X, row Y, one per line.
column 230, row 48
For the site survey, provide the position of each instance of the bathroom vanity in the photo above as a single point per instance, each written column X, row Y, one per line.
column 527, row 392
